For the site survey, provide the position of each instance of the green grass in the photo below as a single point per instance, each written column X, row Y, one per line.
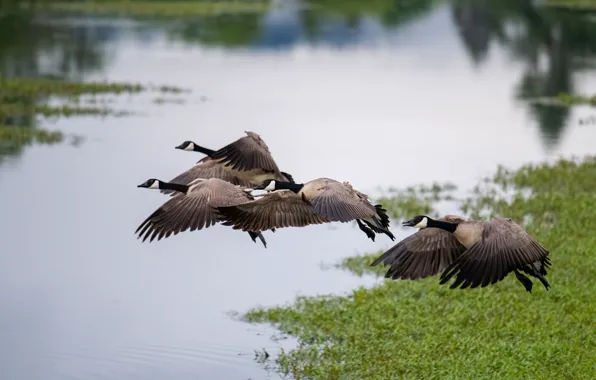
column 580, row 5
column 25, row 136
column 566, row 100
column 32, row 87
column 423, row 330
column 161, row 8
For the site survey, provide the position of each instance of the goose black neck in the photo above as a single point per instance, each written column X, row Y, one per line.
column 450, row 227
column 282, row 185
column 200, row 149
column 174, row 186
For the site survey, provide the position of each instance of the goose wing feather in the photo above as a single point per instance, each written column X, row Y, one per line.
column 503, row 247
column 193, row 211
column 278, row 209
column 425, row 253
column 247, row 153
column 337, row 201
column 206, row 168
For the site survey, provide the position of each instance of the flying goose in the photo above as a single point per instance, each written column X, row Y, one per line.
column 424, row 253
column 193, row 207
column 492, row 250
column 205, row 168
column 321, row 200
column 247, row 159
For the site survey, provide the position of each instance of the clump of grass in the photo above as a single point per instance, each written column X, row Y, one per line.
column 415, row 200
column 39, row 87
column 161, row 8
column 360, row 264
column 161, row 100
column 566, row 100
column 22, row 136
column 16, row 109
column 579, row 5
column 423, row 330
column 570, row 99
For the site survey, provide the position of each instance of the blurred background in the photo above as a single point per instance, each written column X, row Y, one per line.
column 383, row 93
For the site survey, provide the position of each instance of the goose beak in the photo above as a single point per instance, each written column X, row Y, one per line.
column 142, row 185
column 181, row 147
column 408, row 223
column 259, row 187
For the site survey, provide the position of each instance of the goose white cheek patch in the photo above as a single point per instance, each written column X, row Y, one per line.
column 154, row 185
column 271, row 186
column 190, row 146
column 422, row 223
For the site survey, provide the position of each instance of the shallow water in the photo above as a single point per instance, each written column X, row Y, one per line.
column 377, row 105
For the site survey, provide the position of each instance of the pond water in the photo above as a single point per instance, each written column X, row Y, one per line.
column 379, row 100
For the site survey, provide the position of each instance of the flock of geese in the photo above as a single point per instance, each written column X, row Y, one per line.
column 218, row 189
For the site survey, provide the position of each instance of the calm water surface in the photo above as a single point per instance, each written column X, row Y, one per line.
column 435, row 98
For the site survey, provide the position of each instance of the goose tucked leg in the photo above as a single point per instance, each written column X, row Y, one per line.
column 526, row 282
column 366, row 230
column 379, row 229
column 255, row 235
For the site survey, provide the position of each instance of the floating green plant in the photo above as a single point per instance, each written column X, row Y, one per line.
column 565, row 100
column 12, row 110
column 580, row 5
column 35, row 87
column 24, row 135
column 416, row 199
column 168, row 101
column 423, row 330
column 161, row 8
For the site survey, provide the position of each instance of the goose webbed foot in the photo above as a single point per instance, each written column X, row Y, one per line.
column 255, row 235
column 370, row 233
column 526, row 282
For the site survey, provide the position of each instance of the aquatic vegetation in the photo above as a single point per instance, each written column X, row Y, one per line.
column 568, row 99
column 22, row 136
column 415, row 199
column 161, row 8
column 22, row 99
column 420, row 329
column 581, row 5
column 12, row 110
column 565, row 100
column 34, row 87
column 168, row 101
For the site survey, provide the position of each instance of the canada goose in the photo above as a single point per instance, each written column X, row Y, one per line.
column 424, row 253
column 206, row 168
column 492, row 250
column 194, row 207
column 247, row 158
column 322, row 200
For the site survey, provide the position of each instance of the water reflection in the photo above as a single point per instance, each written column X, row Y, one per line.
column 29, row 48
column 551, row 45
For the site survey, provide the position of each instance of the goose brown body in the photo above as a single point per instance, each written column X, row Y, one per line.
column 193, row 208
column 250, row 159
column 425, row 253
column 476, row 253
column 322, row 200
column 244, row 162
column 206, row 168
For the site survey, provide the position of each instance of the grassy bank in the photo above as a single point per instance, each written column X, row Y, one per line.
column 420, row 330
column 580, row 5
column 160, row 8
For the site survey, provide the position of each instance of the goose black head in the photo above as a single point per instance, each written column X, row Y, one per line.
column 187, row 145
column 419, row 221
column 267, row 185
column 151, row 183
